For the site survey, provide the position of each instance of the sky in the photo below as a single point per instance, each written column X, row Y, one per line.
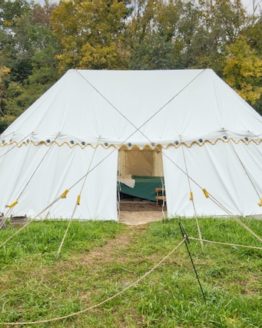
column 247, row 3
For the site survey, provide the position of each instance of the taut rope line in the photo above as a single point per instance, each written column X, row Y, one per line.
column 192, row 198
column 245, row 170
column 227, row 244
column 74, row 314
column 8, row 151
column 75, row 207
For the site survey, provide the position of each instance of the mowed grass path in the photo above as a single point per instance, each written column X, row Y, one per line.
column 101, row 258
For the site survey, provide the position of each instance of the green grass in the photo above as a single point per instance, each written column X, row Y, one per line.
column 44, row 237
column 101, row 258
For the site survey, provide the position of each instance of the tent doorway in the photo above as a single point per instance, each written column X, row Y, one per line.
column 141, row 187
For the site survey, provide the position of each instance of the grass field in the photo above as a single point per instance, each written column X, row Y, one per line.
column 101, row 258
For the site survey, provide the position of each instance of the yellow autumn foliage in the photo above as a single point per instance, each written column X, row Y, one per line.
column 90, row 33
column 243, row 70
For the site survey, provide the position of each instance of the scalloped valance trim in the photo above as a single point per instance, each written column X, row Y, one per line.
column 71, row 144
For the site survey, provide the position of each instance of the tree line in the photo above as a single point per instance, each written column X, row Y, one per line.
column 38, row 43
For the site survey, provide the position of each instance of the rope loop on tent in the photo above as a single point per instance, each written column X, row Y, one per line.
column 260, row 202
column 205, row 192
column 92, row 307
column 227, row 244
column 191, row 196
column 64, row 194
column 78, row 199
column 12, row 205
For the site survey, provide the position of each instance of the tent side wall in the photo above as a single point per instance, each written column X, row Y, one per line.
column 220, row 169
column 40, row 174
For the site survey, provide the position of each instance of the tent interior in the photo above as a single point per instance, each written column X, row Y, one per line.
column 141, row 179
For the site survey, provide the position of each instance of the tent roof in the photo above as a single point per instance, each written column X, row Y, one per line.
column 108, row 106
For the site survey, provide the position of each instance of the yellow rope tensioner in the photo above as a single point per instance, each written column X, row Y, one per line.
column 12, row 204
column 191, row 196
column 64, row 194
column 78, row 200
column 260, row 202
column 205, row 192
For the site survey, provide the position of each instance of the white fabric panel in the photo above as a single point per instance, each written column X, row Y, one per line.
column 76, row 107
column 15, row 168
column 210, row 99
column 61, row 167
column 217, row 169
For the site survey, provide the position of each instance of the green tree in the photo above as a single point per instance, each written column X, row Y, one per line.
column 4, row 73
column 38, row 43
column 253, row 36
column 91, row 33
column 179, row 34
column 243, row 70
column 28, row 50
column 151, row 35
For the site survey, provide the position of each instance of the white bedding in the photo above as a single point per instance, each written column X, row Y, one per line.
column 128, row 181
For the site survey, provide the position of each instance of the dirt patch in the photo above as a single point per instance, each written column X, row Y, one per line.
column 140, row 217
column 111, row 251
column 137, row 212
column 112, row 248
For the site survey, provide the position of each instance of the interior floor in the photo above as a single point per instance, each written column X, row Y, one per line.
column 140, row 217
column 129, row 203
column 136, row 211
column 138, row 206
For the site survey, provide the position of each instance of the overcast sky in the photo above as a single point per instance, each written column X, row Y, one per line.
column 247, row 3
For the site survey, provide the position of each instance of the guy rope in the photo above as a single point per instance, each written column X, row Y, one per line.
column 92, row 307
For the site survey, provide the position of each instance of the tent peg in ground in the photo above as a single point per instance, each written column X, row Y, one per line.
column 187, row 241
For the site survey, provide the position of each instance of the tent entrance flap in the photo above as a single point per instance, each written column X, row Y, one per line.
column 140, row 173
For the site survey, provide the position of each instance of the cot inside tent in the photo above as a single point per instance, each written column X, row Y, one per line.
column 63, row 157
column 140, row 172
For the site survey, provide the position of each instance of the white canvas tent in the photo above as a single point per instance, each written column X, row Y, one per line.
column 209, row 138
